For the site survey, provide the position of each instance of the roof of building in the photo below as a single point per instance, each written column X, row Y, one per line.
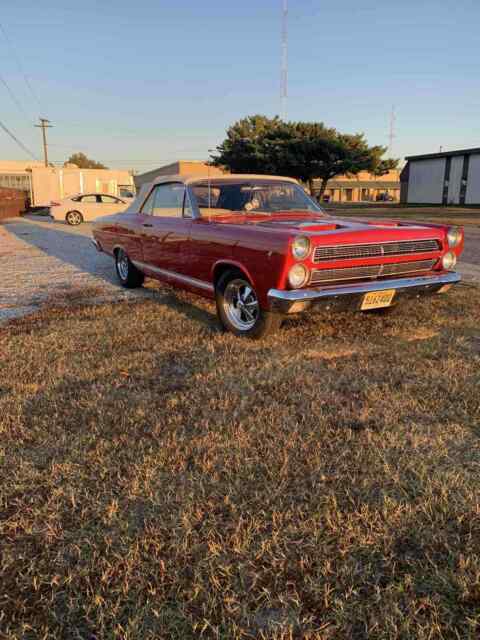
column 176, row 168
column 18, row 165
column 444, row 154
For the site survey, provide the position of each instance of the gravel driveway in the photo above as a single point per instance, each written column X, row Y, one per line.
column 43, row 261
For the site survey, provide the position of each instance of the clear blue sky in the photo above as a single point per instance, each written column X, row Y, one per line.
column 141, row 83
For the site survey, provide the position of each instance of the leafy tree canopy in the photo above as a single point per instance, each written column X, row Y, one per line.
column 302, row 150
column 81, row 160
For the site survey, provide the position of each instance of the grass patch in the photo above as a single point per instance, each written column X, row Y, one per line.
column 161, row 479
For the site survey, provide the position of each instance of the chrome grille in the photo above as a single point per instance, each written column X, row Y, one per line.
column 371, row 271
column 404, row 247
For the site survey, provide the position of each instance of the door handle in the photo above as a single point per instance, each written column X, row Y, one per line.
column 147, row 224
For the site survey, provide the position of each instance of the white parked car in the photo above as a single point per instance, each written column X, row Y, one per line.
column 86, row 207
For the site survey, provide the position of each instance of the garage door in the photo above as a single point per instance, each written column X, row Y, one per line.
column 425, row 184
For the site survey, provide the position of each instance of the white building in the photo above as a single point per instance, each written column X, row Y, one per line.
column 43, row 184
column 449, row 177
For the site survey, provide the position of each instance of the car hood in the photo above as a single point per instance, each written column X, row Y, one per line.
column 342, row 229
column 324, row 229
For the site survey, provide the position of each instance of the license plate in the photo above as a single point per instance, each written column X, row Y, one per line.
column 377, row 299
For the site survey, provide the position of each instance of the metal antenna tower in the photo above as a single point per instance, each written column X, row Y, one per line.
column 284, row 71
column 392, row 135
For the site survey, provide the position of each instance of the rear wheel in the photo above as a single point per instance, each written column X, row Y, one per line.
column 74, row 218
column 128, row 274
column 239, row 310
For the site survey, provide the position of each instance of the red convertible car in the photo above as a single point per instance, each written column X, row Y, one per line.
column 262, row 248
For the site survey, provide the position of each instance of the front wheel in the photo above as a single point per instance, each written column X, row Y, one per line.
column 128, row 274
column 239, row 310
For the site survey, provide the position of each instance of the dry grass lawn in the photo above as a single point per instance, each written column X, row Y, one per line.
column 160, row 479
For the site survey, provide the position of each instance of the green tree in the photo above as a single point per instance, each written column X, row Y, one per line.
column 384, row 166
column 81, row 160
column 245, row 149
column 302, row 150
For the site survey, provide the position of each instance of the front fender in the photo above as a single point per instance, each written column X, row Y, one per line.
column 233, row 263
column 263, row 274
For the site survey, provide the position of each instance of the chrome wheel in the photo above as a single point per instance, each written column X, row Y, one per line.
column 74, row 218
column 122, row 265
column 240, row 304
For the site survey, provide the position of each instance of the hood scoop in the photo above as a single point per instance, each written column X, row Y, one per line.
column 318, row 226
column 304, row 225
column 384, row 223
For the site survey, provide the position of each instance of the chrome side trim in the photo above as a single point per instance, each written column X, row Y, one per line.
column 201, row 284
column 450, row 277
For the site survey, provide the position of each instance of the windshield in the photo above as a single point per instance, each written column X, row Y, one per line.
column 255, row 196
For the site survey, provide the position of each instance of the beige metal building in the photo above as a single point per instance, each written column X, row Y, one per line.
column 182, row 167
column 44, row 184
column 363, row 187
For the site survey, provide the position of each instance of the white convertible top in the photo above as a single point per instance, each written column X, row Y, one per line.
column 229, row 177
column 190, row 179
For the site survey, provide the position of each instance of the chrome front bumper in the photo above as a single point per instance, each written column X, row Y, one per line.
column 96, row 245
column 348, row 296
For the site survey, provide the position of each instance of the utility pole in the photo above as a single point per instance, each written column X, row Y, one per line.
column 44, row 125
column 284, row 66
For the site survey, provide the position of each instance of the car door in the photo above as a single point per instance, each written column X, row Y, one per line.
column 110, row 204
column 166, row 228
column 89, row 207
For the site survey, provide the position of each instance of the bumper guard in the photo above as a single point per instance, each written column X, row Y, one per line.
column 351, row 296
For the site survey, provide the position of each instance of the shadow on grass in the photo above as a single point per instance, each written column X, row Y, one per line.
column 180, row 302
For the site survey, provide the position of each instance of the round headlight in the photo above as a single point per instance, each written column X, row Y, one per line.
column 300, row 247
column 297, row 276
column 449, row 260
column 454, row 237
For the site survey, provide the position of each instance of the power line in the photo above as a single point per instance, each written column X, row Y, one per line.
column 19, row 65
column 20, row 144
column 15, row 99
